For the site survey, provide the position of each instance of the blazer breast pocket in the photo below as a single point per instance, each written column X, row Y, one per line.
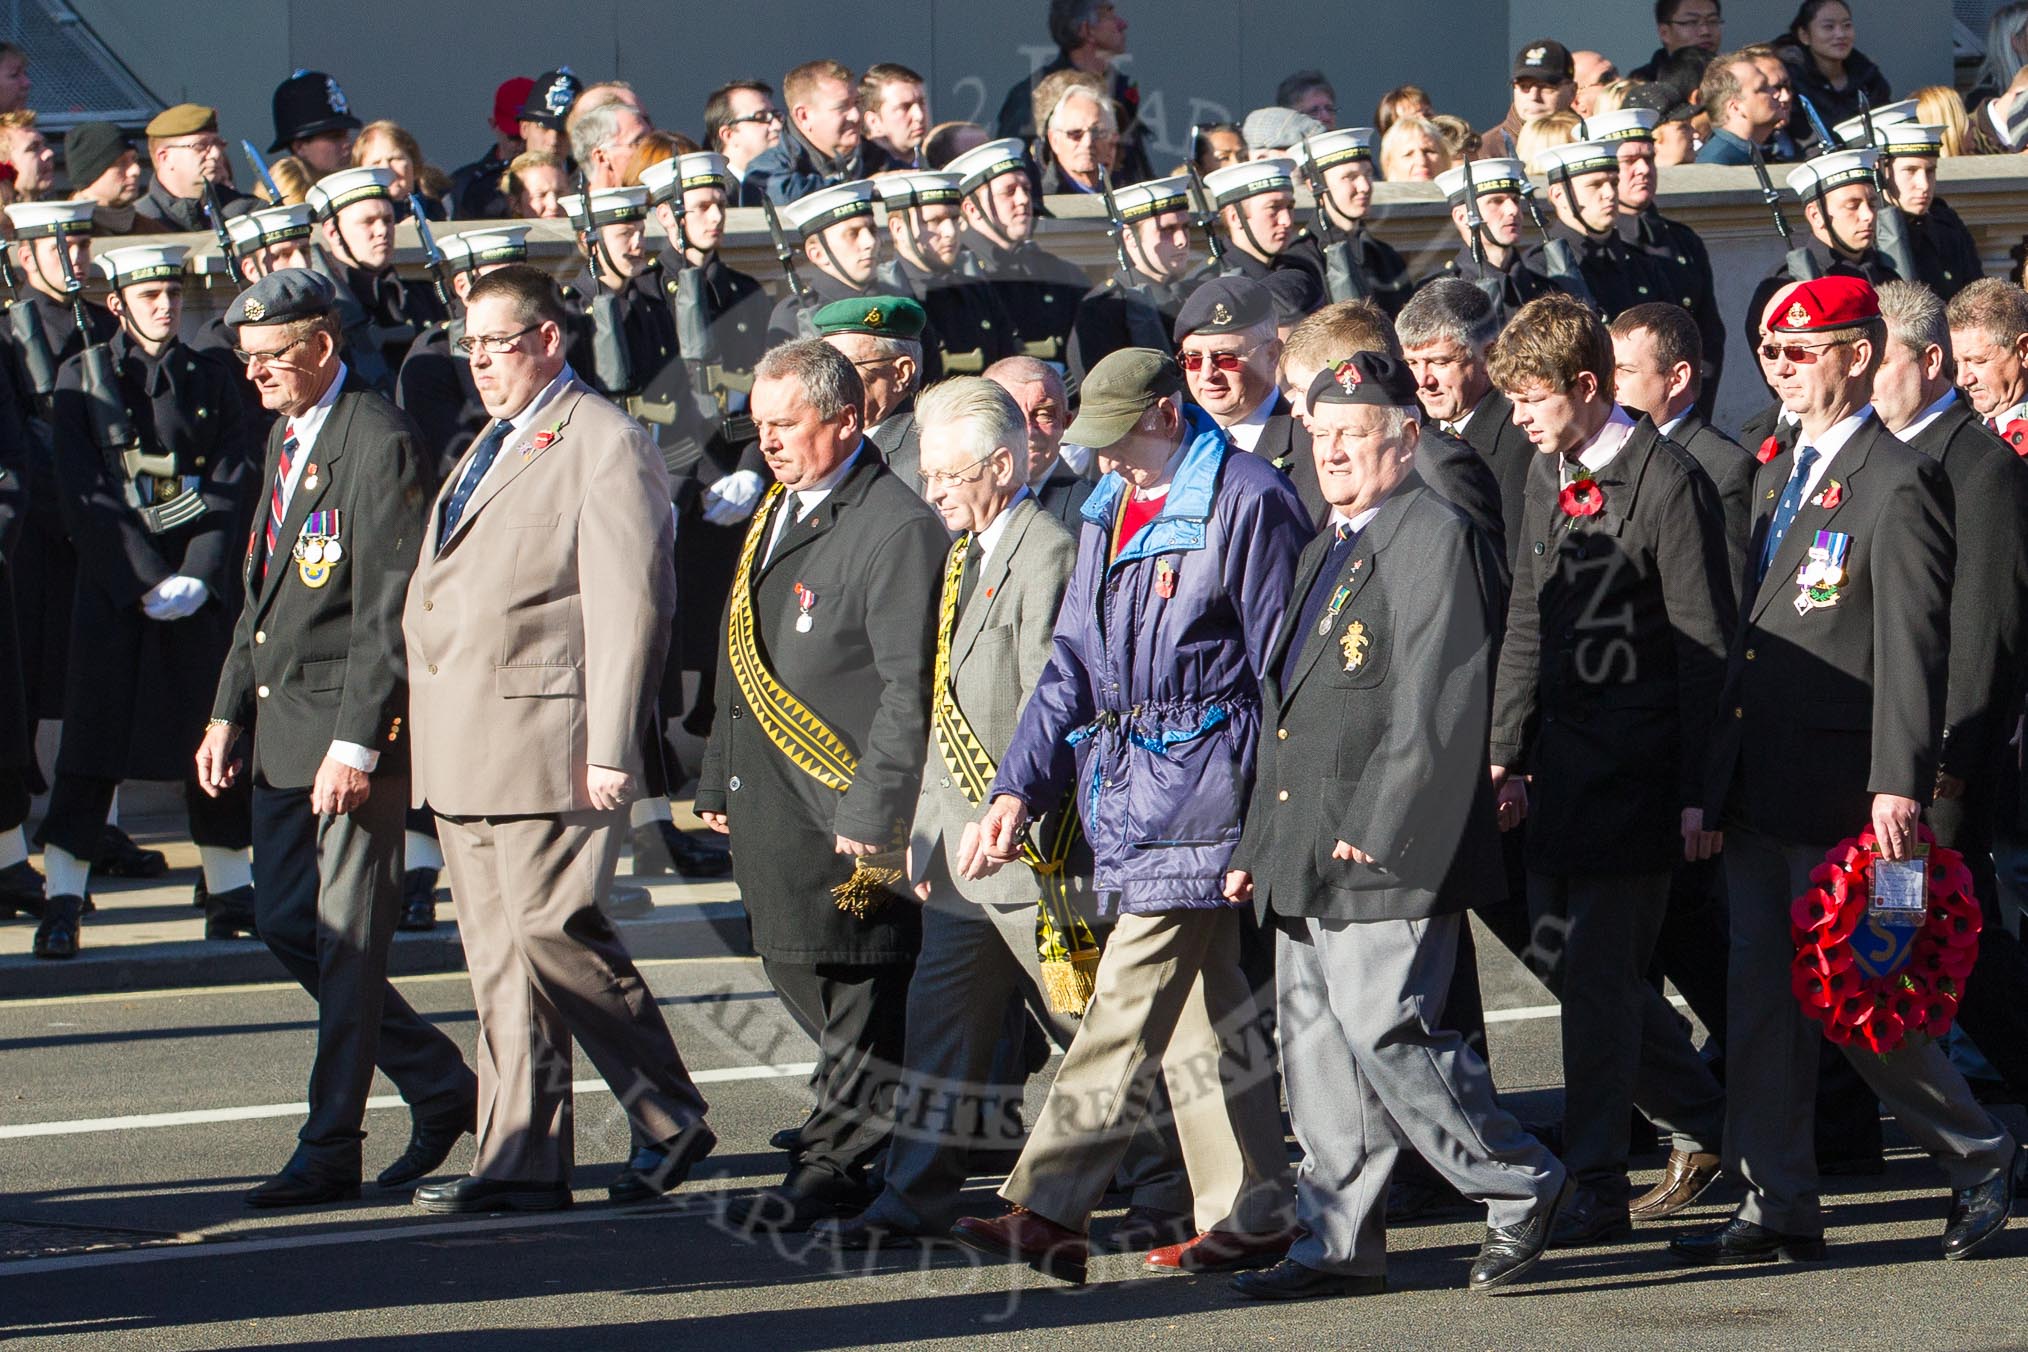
column 324, row 676
column 538, row 682
column 1358, row 654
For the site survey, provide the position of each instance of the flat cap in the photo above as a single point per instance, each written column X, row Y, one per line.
column 878, row 316
column 982, row 164
column 333, row 193
column 609, row 206
column 258, row 228
column 1365, row 378
column 290, row 293
column 1277, row 128
column 498, row 242
column 1118, row 391
column 810, row 216
column 185, row 119
column 1224, row 305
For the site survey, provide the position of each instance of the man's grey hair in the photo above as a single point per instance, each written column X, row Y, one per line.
column 1024, row 370
column 1996, row 308
column 829, row 380
column 891, row 348
column 1107, row 114
column 1449, row 307
column 1915, row 317
column 981, row 410
column 596, row 125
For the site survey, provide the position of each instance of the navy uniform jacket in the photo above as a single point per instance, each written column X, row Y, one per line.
column 1038, row 291
column 1618, row 275
column 1946, row 254
column 1108, row 319
column 967, row 326
column 434, row 387
column 1678, row 254
column 1519, row 282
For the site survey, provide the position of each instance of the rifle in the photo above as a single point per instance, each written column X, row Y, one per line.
column 111, row 427
column 1890, row 227
column 805, row 302
column 697, row 347
column 214, row 207
column 431, row 253
column 611, row 366
column 260, row 168
column 1475, row 226
column 1801, row 263
column 1344, row 278
column 1207, row 221
column 1559, row 260
column 24, row 321
column 1827, row 141
column 1143, row 315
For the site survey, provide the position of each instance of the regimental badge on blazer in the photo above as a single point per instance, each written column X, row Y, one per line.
column 1823, row 572
column 318, row 547
column 1354, row 643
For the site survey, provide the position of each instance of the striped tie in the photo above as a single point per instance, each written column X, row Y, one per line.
column 275, row 500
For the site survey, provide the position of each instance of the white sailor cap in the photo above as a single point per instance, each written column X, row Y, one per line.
column 671, row 178
column 1814, row 178
column 1578, row 158
column 983, row 164
column 141, row 263
column 1626, row 124
column 1139, row 201
column 1250, row 178
column 811, row 216
column 33, row 219
column 475, row 249
column 1328, row 149
column 270, row 225
column 1905, row 138
column 1852, row 131
column 1489, row 178
column 609, row 206
column 900, row 192
column 332, row 193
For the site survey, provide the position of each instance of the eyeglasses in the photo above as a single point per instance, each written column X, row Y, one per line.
column 873, row 363
column 765, row 115
column 273, row 358
column 203, row 145
column 929, row 481
column 1796, row 354
column 496, row 344
column 1228, row 362
column 1077, row 134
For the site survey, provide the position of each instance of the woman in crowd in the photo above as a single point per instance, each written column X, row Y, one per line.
column 1413, row 150
column 1827, row 68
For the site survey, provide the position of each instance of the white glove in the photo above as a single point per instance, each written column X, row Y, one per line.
column 175, row 597
column 731, row 500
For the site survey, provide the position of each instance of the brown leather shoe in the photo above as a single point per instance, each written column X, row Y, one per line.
column 1684, row 1180
column 1221, row 1251
column 1051, row 1249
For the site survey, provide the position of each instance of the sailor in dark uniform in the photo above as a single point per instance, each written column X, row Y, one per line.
column 1138, row 308
column 835, row 225
column 1357, row 266
column 1940, row 246
column 434, row 385
column 381, row 313
column 1256, row 204
column 1038, row 290
column 1488, row 219
column 1584, row 191
column 968, row 331
column 1841, row 203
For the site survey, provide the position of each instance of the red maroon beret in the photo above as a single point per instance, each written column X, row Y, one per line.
column 1828, row 303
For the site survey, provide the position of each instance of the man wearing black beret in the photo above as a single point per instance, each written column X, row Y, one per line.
column 1369, row 833
column 315, row 683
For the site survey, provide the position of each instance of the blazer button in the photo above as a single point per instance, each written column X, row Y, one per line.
column 433, row 668
column 1749, row 654
column 732, row 785
column 1281, row 734
column 429, row 605
column 262, row 692
column 1739, row 713
column 1282, row 797
column 260, row 636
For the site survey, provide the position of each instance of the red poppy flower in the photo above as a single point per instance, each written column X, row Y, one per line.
column 1832, row 496
column 2015, row 434
column 1769, row 449
column 541, row 440
column 1583, row 497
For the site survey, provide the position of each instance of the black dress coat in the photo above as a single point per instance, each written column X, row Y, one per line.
column 1730, row 467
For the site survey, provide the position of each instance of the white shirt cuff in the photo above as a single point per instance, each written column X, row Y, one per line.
column 361, row 758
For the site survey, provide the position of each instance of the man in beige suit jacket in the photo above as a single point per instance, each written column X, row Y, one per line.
column 536, row 626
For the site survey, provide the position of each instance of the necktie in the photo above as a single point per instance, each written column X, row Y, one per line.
column 277, row 505
column 975, row 558
column 489, row 450
column 1321, row 587
column 1786, row 509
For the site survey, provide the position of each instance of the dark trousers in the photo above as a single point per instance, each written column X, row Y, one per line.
column 17, row 795
column 327, row 894
column 856, row 1013
column 80, row 804
column 1994, row 1011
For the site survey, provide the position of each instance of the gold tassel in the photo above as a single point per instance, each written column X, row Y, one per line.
column 1070, row 983
column 870, row 886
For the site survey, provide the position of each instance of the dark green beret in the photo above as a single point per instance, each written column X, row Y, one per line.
column 880, row 316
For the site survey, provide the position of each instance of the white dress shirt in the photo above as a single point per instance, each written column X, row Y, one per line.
column 802, row 501
column 990, row 537
column 1928, row 415
column 1828, row 446
column 1605, row 444
column 518, row 423
column 1246, row 432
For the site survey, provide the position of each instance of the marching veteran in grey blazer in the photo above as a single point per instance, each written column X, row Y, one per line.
column 1003, row 583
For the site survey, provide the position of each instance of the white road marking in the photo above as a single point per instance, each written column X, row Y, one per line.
column 1526, row 1012
column 196, row 1117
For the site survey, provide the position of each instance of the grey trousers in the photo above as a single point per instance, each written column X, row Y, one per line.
column 1171, row 1003
column 1591, row 938
column 1771, row 1076
column 546, row 968
column 975, row 958
column 1369, row 1068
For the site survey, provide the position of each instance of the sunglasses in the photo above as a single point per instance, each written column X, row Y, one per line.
column 1793, row 353
column 1227, row 362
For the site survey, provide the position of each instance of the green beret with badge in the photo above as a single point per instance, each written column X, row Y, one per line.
column 875, row 316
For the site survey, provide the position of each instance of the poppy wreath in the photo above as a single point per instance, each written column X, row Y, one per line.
column 1850, row 991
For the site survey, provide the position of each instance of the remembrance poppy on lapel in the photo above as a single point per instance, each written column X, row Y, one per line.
column 2015, row 434
column 1769, row 449
column 1581, row 497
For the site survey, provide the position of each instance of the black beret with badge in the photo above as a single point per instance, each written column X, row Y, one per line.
column 1365, row 378
column 290, row 293
column 1225, row 305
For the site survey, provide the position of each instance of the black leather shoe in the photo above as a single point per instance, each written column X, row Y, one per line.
column 1585, row 1219
column 656, row 1170
column 856, row 1234
column 464, row 1195
column 788, row 1138
column 200, row 895
column 624, row 901
column 1510, row 1251
column 418, row 900
column 1738, row 1242
column 230, row 914
column 1290, row 1280
column 429, row 1145
column 57, row 936
column 798, row 1203
column 659, row 847
column 291, row 1188
column 20, row 891
column 1977, row 1214
column 119, row 857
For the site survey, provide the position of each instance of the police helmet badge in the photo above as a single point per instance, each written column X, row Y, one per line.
column 335, row 96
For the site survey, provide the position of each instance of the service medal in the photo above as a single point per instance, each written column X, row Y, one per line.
column 1823, row 572
column 806, row 601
